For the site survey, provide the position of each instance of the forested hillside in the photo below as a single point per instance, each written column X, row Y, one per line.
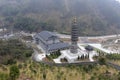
column 95, row 17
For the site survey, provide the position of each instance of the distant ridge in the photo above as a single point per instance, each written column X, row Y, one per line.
column 95, row 17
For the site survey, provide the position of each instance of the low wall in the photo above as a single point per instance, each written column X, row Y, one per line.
column 67, row 64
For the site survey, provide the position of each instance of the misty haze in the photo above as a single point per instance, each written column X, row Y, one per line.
column 59, row 39
column 95, row 17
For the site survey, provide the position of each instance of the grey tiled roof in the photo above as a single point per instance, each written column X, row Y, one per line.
column 58, row 46
column 46, row 35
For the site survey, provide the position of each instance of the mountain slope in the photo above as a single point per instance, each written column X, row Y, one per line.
column 95, row 17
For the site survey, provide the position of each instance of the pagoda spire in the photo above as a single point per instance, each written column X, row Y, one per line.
column 74, row 36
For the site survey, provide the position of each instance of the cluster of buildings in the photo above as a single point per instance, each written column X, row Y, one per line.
column 51, row 43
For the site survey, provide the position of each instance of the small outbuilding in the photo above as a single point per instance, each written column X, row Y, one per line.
column 89, row 48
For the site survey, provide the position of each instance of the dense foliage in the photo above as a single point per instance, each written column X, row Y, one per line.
column 113, row 56
column 12, row 50
column 14, row 72
column 102, row 61
column 105, row 76
column 31, row 25
column 95, row 17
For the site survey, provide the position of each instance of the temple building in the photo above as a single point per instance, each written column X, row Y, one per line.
column 49, row 42
column 74, row 37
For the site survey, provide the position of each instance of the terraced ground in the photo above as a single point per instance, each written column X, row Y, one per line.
column 117, row 62
column 37, row 71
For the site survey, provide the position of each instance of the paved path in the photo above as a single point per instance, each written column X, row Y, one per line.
column 68, row 36
column 99, row 46
column 37, row 56
column 114, row 65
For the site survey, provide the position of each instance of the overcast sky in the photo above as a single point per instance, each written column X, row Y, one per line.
column 118, row 0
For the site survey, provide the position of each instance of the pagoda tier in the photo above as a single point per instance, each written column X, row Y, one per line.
column 74, row 37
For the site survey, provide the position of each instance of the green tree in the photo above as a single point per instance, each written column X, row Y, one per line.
column 102, row 61
column 44, row 76
column 14, row 72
